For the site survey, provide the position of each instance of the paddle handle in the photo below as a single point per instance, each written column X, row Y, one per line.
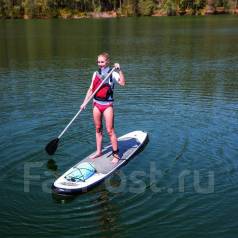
column 89, row 99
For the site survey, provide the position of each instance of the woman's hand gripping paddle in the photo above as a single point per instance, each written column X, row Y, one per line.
column 51, row 147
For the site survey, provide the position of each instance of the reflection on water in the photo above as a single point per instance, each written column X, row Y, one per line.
column 51, row 165
column 101, row 206
column 181, row 88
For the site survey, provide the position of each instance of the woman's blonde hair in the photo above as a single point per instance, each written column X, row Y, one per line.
column 106, row 56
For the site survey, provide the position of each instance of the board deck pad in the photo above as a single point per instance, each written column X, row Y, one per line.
column 127, row 144
column 103, row 164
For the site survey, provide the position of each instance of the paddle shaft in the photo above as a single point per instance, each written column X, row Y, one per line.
column 89, row 99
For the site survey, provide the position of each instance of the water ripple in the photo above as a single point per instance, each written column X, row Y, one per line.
column 181, row 89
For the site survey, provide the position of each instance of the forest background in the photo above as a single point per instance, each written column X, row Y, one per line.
column 75, row 9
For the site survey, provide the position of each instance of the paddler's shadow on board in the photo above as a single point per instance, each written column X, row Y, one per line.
column 104, row 163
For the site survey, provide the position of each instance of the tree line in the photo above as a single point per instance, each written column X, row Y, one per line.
column 101, row 8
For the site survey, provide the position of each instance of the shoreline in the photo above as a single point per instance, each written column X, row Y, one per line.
column 67, row 14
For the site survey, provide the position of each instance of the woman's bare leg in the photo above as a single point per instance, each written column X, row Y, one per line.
column 97, row 116
column 109, row 119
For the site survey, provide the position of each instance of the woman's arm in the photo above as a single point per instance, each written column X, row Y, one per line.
column 88, row 95
column 122, row 80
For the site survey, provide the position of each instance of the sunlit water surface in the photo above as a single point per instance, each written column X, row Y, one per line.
column 182, row 88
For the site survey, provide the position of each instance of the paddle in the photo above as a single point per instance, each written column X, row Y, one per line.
column 51, row 147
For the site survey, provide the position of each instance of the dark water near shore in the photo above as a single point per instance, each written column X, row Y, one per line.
column 182, row 88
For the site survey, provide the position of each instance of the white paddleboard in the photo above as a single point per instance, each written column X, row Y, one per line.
column 128, row 145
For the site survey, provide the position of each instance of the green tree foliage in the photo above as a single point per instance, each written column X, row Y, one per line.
column 129, row 7
column 70, row 8
column 146, row 7
column 171, row 6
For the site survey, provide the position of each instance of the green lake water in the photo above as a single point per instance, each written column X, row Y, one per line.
column 182, row 88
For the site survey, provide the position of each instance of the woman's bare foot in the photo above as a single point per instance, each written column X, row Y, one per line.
column 96, row 155
column 115, row 158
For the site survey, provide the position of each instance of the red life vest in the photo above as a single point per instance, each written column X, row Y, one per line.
column 105, row 93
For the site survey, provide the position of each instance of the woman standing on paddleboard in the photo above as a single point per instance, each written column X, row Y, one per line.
column 103, row 102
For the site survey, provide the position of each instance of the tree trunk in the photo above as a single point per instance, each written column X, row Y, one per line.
column 210, row 7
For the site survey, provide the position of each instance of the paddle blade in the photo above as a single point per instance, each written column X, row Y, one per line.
column 52, row 146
